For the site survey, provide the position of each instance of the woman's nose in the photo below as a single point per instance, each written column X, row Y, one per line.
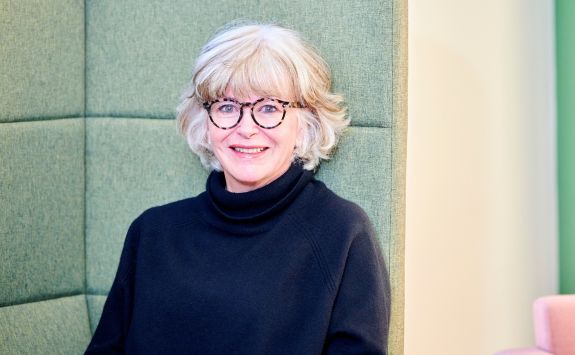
column 247, row 127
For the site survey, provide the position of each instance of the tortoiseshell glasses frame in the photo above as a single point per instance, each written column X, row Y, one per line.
column 271, row 112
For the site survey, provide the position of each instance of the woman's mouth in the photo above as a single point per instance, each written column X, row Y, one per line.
column 249, row 150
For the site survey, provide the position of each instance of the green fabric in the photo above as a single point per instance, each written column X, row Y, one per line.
column 131, row 165
column 58, row 326
column 140, row 53
column 42, row 213
column 41, row 59
column 95, row 307
column 565, row 37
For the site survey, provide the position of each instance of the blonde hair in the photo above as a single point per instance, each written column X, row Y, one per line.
column 264, row 60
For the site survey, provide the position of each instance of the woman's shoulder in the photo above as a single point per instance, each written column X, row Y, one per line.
column 326, row 210
column 330, row 204
column 333, row 225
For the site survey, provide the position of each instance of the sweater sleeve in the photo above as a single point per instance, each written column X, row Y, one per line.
column 360, row 318
column 112, row 329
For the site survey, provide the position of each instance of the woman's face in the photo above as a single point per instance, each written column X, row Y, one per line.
column 251, row 156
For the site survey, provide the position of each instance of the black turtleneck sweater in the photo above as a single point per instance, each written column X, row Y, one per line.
column 290, row 268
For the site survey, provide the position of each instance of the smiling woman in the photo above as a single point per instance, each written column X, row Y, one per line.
column 264, row 61
column 252, row 157
column 267, row 259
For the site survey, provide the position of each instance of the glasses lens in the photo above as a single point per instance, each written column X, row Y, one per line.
column 225, row 113
column 269, row 113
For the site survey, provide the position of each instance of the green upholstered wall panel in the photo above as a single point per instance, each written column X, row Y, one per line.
column 95, row 307
column 58, row 326
column 140, row 53
column 132, row 164
column 41, row 59
column 42, row 209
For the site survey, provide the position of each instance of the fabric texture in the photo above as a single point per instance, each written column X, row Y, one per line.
column 41, row 59
column 41, row 210
column 139, row 62
column 57, row 326
column 289, row 268
column 131, row 164
column 95, row 306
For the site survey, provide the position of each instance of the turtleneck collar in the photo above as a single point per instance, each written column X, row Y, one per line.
column 258, row 205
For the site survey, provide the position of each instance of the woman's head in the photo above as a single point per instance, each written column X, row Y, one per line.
column 248, row 62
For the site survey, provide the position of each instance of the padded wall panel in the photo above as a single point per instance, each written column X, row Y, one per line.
column 41, row 59
column 95, row 308
column 140, row 53
column 57, row 326
column 42, row 213
column 132, row 164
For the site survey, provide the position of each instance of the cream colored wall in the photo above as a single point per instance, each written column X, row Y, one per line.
column 481, row 214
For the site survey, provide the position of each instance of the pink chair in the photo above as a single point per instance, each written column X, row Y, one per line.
column 554, row 318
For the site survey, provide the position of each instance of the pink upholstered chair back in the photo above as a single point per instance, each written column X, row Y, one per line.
column 555, row 324
column 554, row 318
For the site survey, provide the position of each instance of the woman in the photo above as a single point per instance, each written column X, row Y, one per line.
column 267, row 260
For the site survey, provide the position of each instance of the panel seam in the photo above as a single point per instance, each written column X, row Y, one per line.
column 47, row 118
column 42, row 299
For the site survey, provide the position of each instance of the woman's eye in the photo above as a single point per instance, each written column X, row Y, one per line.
column 268, row 109
column 228, row 108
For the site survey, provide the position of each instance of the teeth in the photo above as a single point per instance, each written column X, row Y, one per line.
column 248, row 150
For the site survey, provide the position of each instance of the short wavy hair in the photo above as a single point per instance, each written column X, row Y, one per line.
column 264, row 60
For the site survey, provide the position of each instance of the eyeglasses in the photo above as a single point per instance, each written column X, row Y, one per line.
column 268, row 113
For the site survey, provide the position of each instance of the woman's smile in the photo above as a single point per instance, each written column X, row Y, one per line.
column 248, row 151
